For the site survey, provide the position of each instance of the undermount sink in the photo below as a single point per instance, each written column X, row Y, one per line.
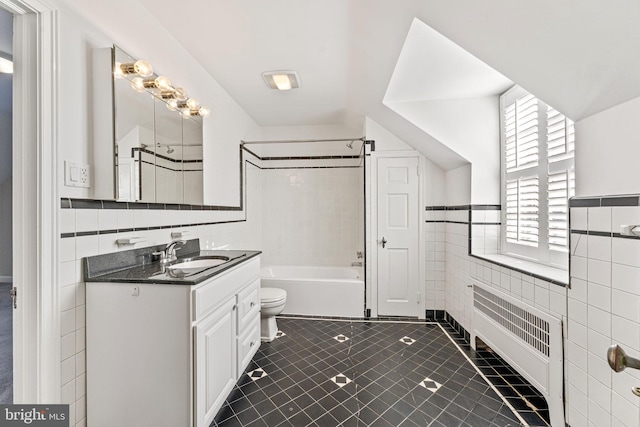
column 200, row 263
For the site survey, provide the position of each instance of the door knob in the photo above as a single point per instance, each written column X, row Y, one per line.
column 618, row 359
column 384, row 242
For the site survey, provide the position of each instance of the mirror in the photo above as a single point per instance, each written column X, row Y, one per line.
column 158, row 149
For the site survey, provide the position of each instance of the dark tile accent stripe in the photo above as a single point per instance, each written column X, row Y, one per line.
column 128, row 230
column 591, row 202
column 161, row 156
column 445, row 221
column 604, row 234
column 85, row 204
column 620, row 236
column 486, row 207
column 108, row 231
column 464, row 207
column 621, row 201
column 109, row 204
column 584, row 203
column 486, row 223
column 67, row 203
column 309, row 158
column 313, row 167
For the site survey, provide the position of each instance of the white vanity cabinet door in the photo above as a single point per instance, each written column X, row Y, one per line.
column 215, row 361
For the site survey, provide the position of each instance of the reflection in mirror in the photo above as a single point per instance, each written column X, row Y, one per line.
column 158, row 146
column 192, row 155
column 168, row 150
column 133, row 113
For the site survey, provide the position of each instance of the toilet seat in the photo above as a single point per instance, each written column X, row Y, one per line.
column 272, row 296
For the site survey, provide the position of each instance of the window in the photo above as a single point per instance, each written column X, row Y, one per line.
column 537, row 178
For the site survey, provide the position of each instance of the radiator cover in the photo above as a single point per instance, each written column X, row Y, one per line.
column 527, row 338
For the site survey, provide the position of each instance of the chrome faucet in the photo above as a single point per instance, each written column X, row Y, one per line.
column 170, row 250
column 169, row 253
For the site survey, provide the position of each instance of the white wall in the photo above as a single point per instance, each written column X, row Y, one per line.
column 608, row 152
column 469, row 127
column 459, row 185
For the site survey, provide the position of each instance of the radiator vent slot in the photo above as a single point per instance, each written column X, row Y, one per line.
column 530, row 328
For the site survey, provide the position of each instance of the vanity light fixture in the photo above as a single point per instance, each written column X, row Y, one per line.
column 281, row 80
column 160, row 87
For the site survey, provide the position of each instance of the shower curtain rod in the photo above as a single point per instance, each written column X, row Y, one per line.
column 288, row 141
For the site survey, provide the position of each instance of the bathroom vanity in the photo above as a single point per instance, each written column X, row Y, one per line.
column 165, row 348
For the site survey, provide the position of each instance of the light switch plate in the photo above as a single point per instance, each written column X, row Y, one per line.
column 77, row 174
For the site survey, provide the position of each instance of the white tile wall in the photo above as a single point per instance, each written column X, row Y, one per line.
column 312, row 216
column 603, row 308
column 241, row 235
column 460, row 267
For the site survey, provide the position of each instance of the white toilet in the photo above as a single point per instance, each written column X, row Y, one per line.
column 271, row 304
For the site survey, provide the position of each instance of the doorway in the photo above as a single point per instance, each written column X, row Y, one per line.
column 6, row 208
column 398, row 230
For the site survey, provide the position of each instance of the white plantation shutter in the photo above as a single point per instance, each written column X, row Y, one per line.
column 538, row 178
column 522, row 211
column 561, row 177
column 521, row 132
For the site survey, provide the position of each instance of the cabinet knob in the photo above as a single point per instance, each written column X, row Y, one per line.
column 234, row 307
column 252, row 304
column 252, row 343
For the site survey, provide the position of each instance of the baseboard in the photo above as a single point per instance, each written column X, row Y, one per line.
column 6, row 279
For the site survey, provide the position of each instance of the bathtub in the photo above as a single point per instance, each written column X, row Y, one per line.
column 318, row 291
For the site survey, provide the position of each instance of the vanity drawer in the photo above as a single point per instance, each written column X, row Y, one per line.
column 248, row 304
column 213, row 292
column 248, row 344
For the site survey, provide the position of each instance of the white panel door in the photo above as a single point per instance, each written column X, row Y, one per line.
column 215, row 361
column 397, row 239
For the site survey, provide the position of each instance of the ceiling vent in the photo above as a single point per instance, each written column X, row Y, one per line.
column 281, row 80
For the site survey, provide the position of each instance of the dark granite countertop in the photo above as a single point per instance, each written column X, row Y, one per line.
column 136, row 266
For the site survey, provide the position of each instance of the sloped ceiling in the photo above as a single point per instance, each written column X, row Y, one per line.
column 577, row 55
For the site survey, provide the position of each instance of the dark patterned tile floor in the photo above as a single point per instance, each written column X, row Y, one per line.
column 385, row 374
column 528, row 401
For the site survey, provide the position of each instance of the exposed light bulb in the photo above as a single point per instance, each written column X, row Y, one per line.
column 204, row 111
column 282, row 81
column 180, row 93
column 163, row 83
column 193, row 103
column 138, row 84
column 172, row 104
column 143, row 68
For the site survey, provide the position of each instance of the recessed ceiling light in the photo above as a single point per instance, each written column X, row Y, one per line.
column 6, row 66
column 281, row 80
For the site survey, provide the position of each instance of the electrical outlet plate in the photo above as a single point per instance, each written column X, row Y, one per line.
column 77, row 175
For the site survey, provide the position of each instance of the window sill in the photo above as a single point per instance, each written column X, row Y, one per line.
column 557, row 276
